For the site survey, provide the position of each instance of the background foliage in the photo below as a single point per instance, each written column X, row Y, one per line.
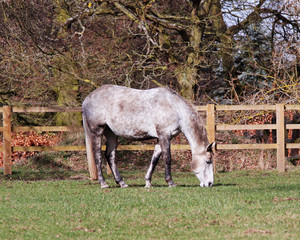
column 54, row 52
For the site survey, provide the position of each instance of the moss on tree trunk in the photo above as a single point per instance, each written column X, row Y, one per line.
column 67, row 85
column 68, row 96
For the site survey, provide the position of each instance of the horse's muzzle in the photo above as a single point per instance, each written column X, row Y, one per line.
column 209, row 184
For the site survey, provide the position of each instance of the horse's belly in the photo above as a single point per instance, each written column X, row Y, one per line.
column 143, row 130
column 134, row 131
column 135, row 134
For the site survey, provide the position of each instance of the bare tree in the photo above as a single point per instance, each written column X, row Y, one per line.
column 55, row 52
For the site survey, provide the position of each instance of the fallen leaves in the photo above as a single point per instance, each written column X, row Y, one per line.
column 30, row 139
column 80, row 228
column 286, row 199
column 258, row 231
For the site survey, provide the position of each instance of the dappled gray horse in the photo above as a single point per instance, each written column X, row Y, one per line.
column 158, row 113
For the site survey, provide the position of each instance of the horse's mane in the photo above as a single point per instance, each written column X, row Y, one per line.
column 196, row 118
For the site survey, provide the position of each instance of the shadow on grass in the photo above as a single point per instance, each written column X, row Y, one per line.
column 43, row 175
column 19, row 175
column 166, row 186
column 47, row 161
column 224, row 184
column 43, row 166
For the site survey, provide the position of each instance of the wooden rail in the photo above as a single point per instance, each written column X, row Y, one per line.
column 211, row 126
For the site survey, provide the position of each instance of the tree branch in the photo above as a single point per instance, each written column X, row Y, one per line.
column 167, row 24
column 128, row 13
column 251, row 18
column 279, row 16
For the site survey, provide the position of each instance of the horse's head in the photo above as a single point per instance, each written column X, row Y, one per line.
column 202, row 166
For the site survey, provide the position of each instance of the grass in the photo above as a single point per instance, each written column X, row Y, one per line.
column 241, row 205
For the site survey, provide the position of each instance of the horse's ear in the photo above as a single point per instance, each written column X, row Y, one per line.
column 210, row 147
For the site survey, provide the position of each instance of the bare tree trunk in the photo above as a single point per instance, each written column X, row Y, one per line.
column 67, row 86
column 187, row 72
column 186, row 77
column 68, row 96
column 225, row 38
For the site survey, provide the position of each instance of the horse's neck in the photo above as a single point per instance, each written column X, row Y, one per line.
column 193, row 129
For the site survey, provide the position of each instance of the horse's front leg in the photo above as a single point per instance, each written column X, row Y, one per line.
column 110, row 154
column 154, row 160
column 166, row 155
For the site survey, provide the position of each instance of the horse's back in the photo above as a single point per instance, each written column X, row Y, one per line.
column 118, row 98
column 132, row 112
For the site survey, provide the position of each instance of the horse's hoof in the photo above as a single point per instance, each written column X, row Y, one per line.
column 123, row 185
column 104, row 185
column 172, row 184
column 148, row 184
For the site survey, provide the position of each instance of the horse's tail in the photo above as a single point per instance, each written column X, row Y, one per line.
column 89, row 149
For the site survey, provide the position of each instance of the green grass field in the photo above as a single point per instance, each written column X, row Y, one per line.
column 241, row 205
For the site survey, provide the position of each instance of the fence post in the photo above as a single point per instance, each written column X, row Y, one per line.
column 280, row 135
column 7, row 140
column 211, row 126
column 90, row 159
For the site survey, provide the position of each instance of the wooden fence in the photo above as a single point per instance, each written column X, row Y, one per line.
column 211, row 126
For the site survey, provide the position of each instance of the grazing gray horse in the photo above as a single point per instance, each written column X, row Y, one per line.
column 158, row 113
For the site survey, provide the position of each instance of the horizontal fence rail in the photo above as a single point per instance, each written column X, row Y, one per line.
column 280, row 127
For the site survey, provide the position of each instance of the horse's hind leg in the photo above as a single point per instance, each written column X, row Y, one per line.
column 110, row 154
column 97, row 139
column 93, row 148
column 154, row 161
